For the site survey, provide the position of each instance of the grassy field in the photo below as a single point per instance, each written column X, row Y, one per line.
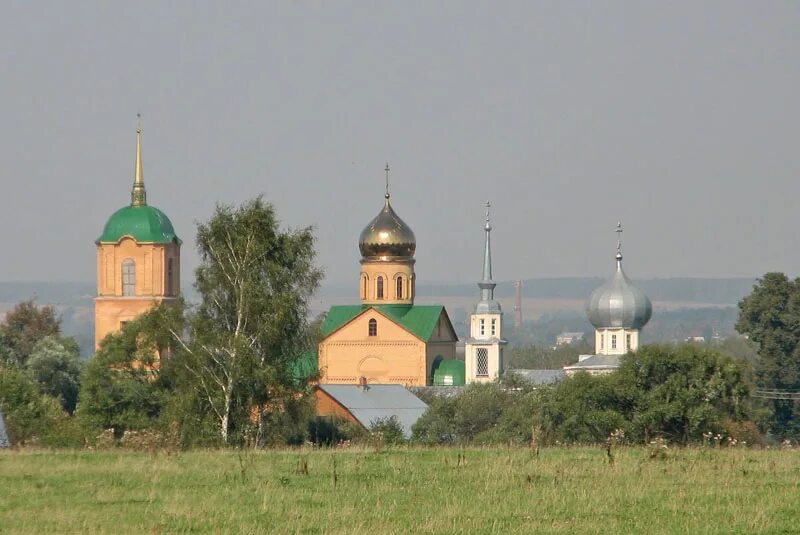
column 562, row 490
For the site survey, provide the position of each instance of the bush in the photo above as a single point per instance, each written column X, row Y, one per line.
column 388, row 431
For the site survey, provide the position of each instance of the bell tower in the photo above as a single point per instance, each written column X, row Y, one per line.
column 387, row 248
column 483, row 350
column 138, row 259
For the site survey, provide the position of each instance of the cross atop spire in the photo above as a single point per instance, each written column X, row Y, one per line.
column 387, row 180
column 138, row 193
column 619, row 241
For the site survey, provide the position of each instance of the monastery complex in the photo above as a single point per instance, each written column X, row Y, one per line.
column 387, row 339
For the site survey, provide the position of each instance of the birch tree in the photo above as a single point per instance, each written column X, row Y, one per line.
column 254, row 282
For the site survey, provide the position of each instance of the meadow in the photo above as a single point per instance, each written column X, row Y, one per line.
column 560, row 490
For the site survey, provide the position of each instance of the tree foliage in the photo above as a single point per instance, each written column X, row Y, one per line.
column 24, row 326
column 770, row 316
column 254, row 281
column 678, row 393
column 55, row 364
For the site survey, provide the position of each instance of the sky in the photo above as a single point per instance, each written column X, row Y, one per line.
column 681, row 119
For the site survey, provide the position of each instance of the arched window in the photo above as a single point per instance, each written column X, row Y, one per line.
column 373, row 327
column 380, row 288
column 169, row 277
column 128, row 277
column 399, row 287
column 363, row 287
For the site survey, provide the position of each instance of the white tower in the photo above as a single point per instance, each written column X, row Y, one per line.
column 618, row 310
column 483, row 352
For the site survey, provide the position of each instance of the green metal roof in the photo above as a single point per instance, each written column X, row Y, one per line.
column 449, row 373
column 419, row 319
column 305, row 366
column 145, row 224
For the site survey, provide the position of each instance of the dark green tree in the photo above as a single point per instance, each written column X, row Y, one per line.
column 681, row 392
column 55, row 364
column 125, row 385
column 24, row 326
column 770, row 316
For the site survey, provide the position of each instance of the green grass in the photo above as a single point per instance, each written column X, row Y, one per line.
column 563, row 490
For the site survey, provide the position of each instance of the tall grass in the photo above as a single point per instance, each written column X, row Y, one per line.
column 560, row 490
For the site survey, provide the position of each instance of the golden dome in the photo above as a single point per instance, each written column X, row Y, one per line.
column 387, row 237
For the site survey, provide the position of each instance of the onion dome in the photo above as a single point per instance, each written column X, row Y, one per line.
column 387, row 237
column 143, row 223
column 618, row 303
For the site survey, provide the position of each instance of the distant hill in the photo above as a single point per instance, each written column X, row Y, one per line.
column 714, row 291
column 75, row 300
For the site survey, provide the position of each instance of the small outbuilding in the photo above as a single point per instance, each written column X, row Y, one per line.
column 365, row 404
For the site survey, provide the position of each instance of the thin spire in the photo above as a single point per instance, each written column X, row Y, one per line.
column 387, row 181
column 487, row 254
column 138, row 193
column 486, row 284
column 619, row 243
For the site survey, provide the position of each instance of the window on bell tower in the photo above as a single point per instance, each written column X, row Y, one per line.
column 482, row 362
column 494, row 326
column 482, row 324
column 379, row 283
column 399, row 287
column 128, row 277
column 169, row 277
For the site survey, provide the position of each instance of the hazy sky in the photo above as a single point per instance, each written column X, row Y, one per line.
column 682, row 119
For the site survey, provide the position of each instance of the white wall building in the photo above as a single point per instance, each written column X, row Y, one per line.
column 483, row 350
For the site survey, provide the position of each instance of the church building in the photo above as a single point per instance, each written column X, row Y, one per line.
column 138, row 259
column 483, row 351
column 618, row 310
column 387, row 339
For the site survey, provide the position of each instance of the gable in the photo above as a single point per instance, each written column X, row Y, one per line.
column 357, row 329
column 420, row 320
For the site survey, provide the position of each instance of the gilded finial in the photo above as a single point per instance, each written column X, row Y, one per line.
column 387, row 181
column 138, row 193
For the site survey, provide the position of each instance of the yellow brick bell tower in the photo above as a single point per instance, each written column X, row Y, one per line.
column 138, row 259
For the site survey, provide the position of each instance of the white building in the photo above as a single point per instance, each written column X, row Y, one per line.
column 618, row 310
column 483, row 350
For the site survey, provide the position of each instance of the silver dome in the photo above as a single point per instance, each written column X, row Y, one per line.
column 618, row 303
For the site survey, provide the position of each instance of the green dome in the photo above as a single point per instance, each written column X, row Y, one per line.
column 449, row 373
column 145, row 224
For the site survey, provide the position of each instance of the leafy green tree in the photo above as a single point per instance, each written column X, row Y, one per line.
column 55, row 364
column 770, row 316
column 586, row 408
column 24, row 326
column 123, row 387
column 682, row 392
column 254, row 281
column 30, row 416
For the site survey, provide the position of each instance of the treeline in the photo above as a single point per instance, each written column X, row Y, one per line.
column 680, row 394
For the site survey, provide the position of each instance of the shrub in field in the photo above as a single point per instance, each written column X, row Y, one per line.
column 388, row 431
column 332, row 430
